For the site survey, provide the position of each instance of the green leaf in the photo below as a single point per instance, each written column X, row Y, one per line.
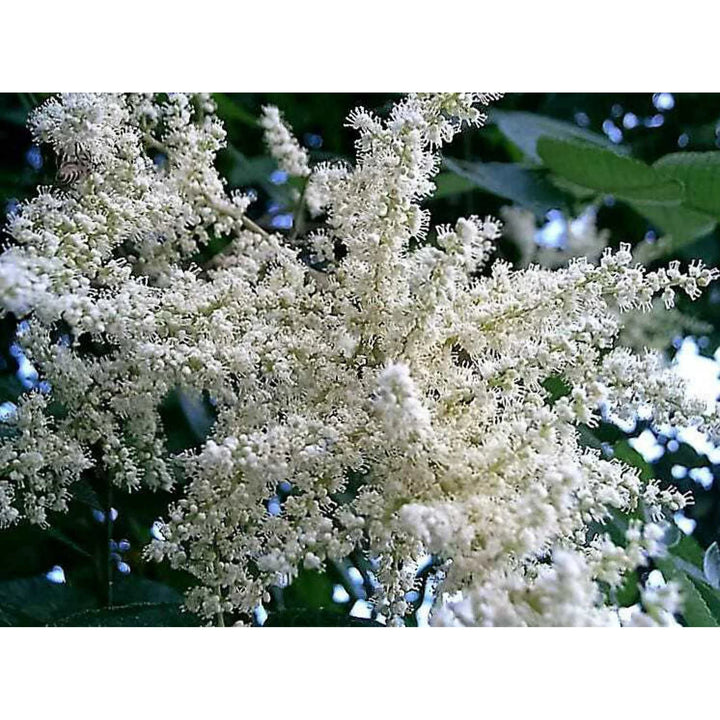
column 629, row 592
column 700, row 174
column 525, row 186
column 82, row 492
column 524, row 129
column 10, row 388
column 710, row 596
column 689, row 550
column 133, row 615
column 607, row 172
column 228, row 109
column 557, row 386
column 587, row 438
column 681, row 223
column 40, row 601
column 60, row 536
column 310, row 589
column 448, row 184
column 11, row 616
column 133, row 589
column 187, row 419
column 695, row 609
column 316, row 618
column 711, row 565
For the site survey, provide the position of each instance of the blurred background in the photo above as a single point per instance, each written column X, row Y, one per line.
column 48, row 575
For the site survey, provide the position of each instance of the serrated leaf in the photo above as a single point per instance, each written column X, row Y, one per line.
column 689, row 550
column 607, row 172
column 41, row 601
column 700, row 174
column 695, row 609
column 710, row 596
column 132, row 615
column 524, row 129
column 316, row 618
column 711, row 565
column 11, row 616
column 525, row 186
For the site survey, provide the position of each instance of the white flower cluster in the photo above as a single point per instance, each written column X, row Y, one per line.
column 392, row 403
column 283, row 146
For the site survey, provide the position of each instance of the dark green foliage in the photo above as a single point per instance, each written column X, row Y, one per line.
column 316, row 618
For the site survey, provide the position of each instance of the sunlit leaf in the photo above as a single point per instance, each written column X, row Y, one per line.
column 524, row 129
column 681, row 224
column 607, row 172
column 700, row 174
column 695, row 609
column 525, row 186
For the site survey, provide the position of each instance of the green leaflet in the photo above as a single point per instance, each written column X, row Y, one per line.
column 680, row 223
column 320, row 617
column 608, row 172
column 132, row 615
column 700, row 174
column 526, row 186
column 524, row 129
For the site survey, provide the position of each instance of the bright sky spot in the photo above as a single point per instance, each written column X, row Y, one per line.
column 647, row 446
column 554, row 233
column 630, row 121
column 664, row 101
column 700, row 373
column 700, row 443
column 355, row 576
column 361, row 609
column 678, row 471
column 56, row 575
column 655, row 579
column 687, row 525
column 702, row 475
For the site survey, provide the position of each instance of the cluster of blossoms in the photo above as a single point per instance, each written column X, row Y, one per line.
column 564, row 239
column 389, row 400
